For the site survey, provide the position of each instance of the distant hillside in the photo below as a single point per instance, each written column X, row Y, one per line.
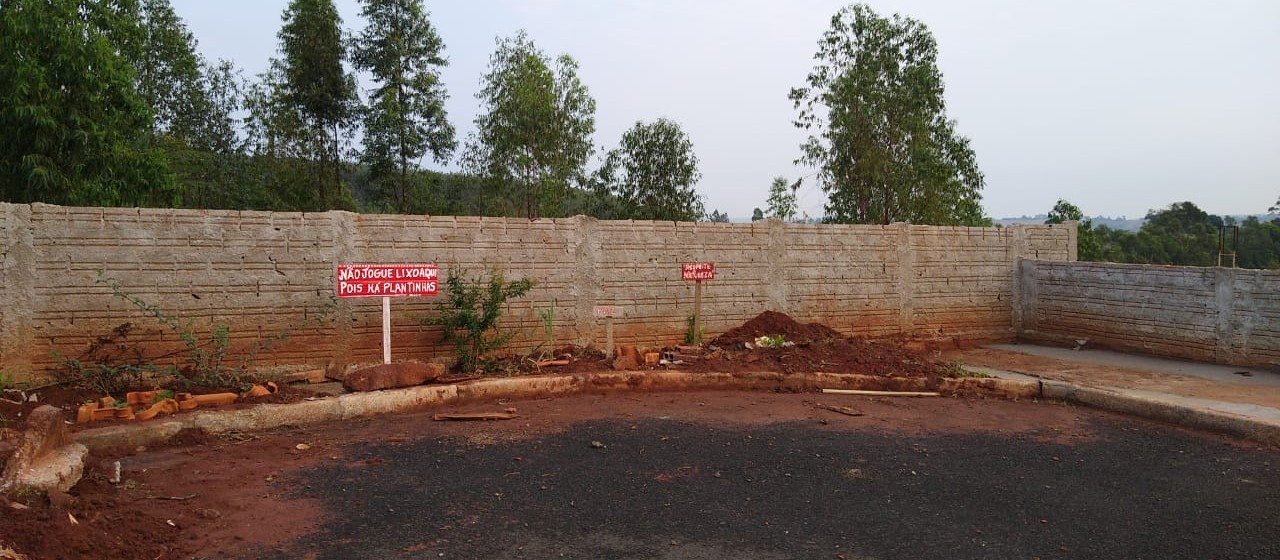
column 1121, row 223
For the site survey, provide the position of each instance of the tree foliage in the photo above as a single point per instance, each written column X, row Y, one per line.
column 1088, row 246
column 651, row 174
column 535, row 129
column 405, row 118
column 169, row 72
column 782, row 199
column 316, row 88
column 884, row 148
column 75, row 131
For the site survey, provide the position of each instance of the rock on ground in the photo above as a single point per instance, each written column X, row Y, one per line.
column 45, row 458
column 391, row 376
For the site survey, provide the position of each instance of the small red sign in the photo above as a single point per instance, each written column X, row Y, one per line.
column 387, row 280
column 604, row 311
column 698, row 271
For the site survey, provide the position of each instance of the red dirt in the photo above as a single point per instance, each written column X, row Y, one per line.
column 772, row 323
column 232, row 480
column 242, row 486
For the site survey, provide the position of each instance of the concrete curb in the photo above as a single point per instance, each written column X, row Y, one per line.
column 358, row 405
column 1254, row 429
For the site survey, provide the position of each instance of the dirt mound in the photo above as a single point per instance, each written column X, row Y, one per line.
column 772, row 323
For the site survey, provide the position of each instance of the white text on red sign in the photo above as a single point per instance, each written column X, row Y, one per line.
column 387, row 280
column 698, row 271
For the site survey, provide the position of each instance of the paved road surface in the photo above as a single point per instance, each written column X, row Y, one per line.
column 660, row 487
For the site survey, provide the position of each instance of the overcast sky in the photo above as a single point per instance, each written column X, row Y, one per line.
column 1120, row 107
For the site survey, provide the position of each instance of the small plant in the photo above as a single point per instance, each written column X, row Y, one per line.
column 6, row 381
column 955, row 368
column 775, row 341
column 469, row 315
column 693, row 332
column 548, row 317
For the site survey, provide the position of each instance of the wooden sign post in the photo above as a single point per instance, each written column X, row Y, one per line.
column 606, row 312
column 387, row 281
column 698, row 271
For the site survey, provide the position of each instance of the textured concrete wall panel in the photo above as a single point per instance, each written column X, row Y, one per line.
column 261, row 273
column 1213, row 314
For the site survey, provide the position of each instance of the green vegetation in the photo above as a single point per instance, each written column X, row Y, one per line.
column 650, row 175
column 157, row 125
column 879, row 134
column 405, row 118
column 692, row 332
column 534, row 134
column 6, row 381
column 113, row 365
column 782, row 199
column 1180, row 234
column 955, row 368
column 548, row 318
column 469, row 315
column 774, row 341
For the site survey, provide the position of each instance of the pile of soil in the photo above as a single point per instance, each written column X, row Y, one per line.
column 841, row 355
column 772, row 323
column 816, row 348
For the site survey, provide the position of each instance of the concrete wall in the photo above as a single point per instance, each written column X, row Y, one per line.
column 260, row 272
column 1223, row 315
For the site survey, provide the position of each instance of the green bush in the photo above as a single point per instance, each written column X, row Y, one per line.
column 469, row 315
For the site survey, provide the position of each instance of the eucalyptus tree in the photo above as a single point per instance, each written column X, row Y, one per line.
column 534, row 131
column 316, row 86
column 880, row 138
column 782, row 199
column 405, row 118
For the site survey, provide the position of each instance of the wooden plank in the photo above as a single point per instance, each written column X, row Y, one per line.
column 881, row 393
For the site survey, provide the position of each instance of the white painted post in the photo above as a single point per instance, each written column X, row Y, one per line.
column 386, row 330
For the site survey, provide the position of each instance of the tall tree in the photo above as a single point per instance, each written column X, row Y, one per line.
column 316, row 84
column 652, row 173
column 535, row 131
column 405, row 118
column 782, row 199
column 884, row 148
column 75, row 130
column 169, row 72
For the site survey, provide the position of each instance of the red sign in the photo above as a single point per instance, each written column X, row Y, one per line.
column 604, row 311
column 387, row 280
column 698, row 271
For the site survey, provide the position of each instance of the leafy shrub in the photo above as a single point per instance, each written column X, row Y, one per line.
column 469, row 315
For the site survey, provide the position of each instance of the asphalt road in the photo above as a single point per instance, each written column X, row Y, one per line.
column 675, row 490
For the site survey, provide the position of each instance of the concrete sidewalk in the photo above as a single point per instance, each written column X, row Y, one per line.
column 1240, row 401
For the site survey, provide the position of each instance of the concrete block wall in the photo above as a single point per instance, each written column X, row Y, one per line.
column 261, row 272
column 1224, row 315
